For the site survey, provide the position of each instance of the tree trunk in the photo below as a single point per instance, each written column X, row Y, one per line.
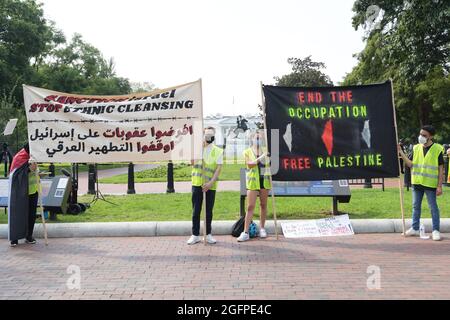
column 424, row 113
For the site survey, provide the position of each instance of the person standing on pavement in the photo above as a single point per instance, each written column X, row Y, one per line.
column 205, row 182
column 23, row 198
column 448, row 171
column 257, row 183
column 427, row 173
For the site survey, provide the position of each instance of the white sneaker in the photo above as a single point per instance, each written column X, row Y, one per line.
column 436, row 235
column 411, row 232
column 243, row 237
column 262, row 233
column 210, row 239
column 194, row 239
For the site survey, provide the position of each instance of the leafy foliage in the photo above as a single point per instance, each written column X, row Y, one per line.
column 305, row 72
column 408, row 41
column 34, row 52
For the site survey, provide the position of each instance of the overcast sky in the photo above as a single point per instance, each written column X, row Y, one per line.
column 232, row 45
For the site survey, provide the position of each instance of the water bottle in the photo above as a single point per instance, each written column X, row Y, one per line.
column 422, row 230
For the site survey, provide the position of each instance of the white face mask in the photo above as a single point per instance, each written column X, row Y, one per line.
column 422, row 140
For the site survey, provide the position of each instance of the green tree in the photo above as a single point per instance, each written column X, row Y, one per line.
column 9, row 110
column 25, row 37
column 79, row 67
column 305, row 73
column 33, row 51
column 415, row 33
column 408, row 41
column 140, row 87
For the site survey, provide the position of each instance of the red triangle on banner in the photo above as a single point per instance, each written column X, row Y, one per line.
column 327, row 137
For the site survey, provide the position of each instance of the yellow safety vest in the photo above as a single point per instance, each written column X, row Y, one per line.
column 209, row 168
column 32, row 183
column 448, row 172
column 425, row 169
column 252, row 174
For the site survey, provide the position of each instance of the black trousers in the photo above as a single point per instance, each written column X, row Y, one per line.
column 197, row 200
column 32, row 207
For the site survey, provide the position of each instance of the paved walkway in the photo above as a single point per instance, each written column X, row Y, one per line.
column 83, row 178
column 157, row 187
column 166, row 268
column 181, row 186
column 141, row 188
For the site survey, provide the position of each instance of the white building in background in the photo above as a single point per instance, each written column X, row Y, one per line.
column 235, row 141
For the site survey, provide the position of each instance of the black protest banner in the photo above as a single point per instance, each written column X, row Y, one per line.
column 332, row 133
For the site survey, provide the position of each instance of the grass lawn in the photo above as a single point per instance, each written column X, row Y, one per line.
column 365, row 204
column 182, row 172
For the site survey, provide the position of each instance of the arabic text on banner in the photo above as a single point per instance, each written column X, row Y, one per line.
column 156, row 126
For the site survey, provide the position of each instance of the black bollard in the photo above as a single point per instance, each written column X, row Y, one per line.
column 407, row 178
column 51, row 169
column 74, row 193
column 368, row 184
column 6, row 157
column 409, row 152
column 131, row 189
column 170, row 183
column 91, row 179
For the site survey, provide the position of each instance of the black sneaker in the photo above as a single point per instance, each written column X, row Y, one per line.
column 30, row 241
column 14, row 243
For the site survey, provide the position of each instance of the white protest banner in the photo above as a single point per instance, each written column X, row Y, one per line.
column 335, row 226
column 160, row 125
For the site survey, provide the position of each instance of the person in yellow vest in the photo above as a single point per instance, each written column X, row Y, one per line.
column 257, row 183
column 205, row 181
column 427, row 174
column 448, row 172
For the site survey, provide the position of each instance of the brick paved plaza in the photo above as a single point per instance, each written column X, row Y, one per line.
column 166, row 268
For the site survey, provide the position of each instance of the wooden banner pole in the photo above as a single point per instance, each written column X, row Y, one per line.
column 270, row 177
column 400, row 183
column 41, row 207
column 203, row 170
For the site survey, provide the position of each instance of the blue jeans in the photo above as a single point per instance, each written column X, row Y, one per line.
column 417, row 208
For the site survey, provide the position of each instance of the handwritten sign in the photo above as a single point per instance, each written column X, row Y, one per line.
column 155, row 126
column 334, row 226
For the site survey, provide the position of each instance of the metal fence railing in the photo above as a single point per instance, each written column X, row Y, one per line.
column 367, row 182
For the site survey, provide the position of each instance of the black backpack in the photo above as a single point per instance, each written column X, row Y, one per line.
column 238, row 227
